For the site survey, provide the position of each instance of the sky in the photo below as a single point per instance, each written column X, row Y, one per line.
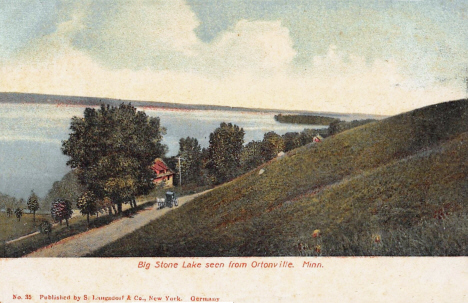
column 363, row 56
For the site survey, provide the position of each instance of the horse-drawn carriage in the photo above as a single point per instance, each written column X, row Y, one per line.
column 169, row 201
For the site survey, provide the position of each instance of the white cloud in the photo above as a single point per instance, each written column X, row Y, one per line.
column 152, row 53
column 252, row 45
column 156, row 34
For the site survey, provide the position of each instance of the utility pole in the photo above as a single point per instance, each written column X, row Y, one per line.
column 180, row 171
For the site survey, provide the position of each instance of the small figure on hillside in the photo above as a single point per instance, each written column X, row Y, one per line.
column 316, row 233
column 377, row 238
column 318, row 249
column 9, row 212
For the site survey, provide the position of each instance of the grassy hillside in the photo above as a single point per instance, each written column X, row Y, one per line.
column 11, row 228
column 393, row 187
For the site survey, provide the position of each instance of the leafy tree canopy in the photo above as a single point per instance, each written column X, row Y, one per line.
column 251, row 155
column 87, row 204
column 33, row 202
column 112, row 149
column 272, row 144
column 69, row 187
column 191, row 165
column 61, row 210
column 224, row 152
column 19, row 213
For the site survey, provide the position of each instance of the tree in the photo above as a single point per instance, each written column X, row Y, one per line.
column 305, row 137
column 103, row 204
column 33, row 204
column 290, row 141
column 334, row 127
column 21, row 202
column 69, row 187
column 19, row 213
column 272, row 144
column 87, row 204
column 251, row 156
column 191, row 163
column 224, row 152
column 45, row 228
column 9, row 203
column 61, row 210
column 112, row 149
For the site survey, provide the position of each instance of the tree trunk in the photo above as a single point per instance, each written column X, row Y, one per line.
column 119, row 206
column 87, row 218
column 34, row 217
column 66, row 220
column 113, row 207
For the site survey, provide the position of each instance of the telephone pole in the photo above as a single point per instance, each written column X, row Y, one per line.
column 180, row 171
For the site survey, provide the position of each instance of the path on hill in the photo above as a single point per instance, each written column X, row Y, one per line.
column 87, row 242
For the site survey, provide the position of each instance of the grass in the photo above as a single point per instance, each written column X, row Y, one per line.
column 27, row 245
column 77, row 225
column 11, row 228
column 391, row 178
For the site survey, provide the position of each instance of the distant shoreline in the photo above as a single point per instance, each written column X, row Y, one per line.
column 29, row 98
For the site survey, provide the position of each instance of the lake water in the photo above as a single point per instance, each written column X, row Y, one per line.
column 31, row 135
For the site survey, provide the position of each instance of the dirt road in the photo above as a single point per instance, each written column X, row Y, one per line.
column 87, row 242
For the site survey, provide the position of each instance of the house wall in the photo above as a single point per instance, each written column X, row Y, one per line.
column 169, row 180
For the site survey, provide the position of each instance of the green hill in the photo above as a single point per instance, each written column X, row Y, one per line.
column 393, row 187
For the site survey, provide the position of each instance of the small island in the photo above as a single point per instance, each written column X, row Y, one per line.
column 305, row 119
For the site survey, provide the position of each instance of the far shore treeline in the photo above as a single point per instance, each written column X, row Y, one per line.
column 305, row 119
column 111, row 150
column 335, row 125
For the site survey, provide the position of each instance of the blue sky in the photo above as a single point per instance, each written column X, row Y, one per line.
column 380, row 57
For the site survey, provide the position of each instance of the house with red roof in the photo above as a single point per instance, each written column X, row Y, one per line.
column 163, row 173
